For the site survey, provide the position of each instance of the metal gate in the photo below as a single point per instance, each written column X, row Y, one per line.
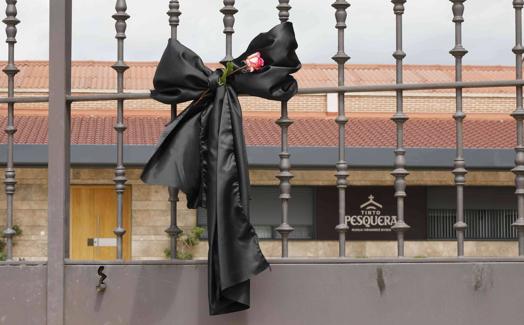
column 455, row 290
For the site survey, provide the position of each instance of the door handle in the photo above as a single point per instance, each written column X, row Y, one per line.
column 102, row 242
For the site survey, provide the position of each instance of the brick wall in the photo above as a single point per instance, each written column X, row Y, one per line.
column 151, row 213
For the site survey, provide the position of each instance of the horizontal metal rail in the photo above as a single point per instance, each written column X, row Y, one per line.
column 301, row 91
column 414, row 86
column 24, row 100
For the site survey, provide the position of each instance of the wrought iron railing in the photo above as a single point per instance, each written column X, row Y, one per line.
column 60, row 100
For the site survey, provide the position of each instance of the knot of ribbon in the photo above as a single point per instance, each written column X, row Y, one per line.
column 213, row 80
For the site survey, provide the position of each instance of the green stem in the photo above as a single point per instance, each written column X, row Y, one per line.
column 228, row 71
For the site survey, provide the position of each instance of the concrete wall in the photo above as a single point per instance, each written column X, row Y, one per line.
column 410, row 292
column 22, row 294
column 305, row 294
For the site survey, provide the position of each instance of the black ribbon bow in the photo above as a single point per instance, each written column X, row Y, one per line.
column 202, row 152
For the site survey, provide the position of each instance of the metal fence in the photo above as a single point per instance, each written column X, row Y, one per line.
column 60, row 100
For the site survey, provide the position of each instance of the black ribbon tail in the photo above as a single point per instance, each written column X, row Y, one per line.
column 234, row 252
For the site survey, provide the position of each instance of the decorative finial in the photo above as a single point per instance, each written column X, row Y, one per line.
column 341, row 15
column 458, row 18
column 121, row 16
column 398, row 7
column 283, row 9
column 458, row 11
column 229, row 11
column 174, row 17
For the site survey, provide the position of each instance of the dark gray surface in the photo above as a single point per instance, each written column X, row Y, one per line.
column 371, row 293
column 305, row 157
column 22, row 295
column 476, row 197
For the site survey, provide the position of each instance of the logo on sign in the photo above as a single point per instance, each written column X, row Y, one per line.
column 371, row 218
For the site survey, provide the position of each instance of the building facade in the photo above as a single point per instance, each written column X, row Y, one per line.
column 490, row 204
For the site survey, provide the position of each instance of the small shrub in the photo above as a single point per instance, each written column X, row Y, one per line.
column 186, row 241
column 3, row 244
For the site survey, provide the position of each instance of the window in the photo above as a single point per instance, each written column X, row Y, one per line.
column 488, row 212
column 265, row 212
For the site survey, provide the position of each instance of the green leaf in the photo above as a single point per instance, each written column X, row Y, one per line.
column 226, row 73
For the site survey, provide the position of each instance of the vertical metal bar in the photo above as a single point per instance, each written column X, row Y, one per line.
column 229, row 11
column 285, row 174
column 173, row 231
column 518, row 115
column 59, row 124
column 459, row 164
column 400, row 172
column 10, row 70
column 120, row 172
column 342, row 167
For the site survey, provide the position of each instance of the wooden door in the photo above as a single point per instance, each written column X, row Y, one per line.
column 93, row 219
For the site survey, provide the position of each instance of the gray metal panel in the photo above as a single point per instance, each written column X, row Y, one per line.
column 310, row 157
column 356, row 293
column 23, row 298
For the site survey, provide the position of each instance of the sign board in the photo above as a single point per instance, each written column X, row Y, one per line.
column 370, row 213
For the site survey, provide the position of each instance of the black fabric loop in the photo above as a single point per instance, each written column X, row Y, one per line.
column 213, row 80
column 203, row 154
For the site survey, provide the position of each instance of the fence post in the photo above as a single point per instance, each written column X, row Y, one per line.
column 518, row 115
column 10, row 70
column 173, row 231
column 120, row 171
column 59, row 123
column 400, row 173
column 342, row 167
column 459, row 165
column 285, row 174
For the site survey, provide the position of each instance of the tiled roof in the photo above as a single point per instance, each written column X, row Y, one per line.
column 261, row 130
column 99, row 76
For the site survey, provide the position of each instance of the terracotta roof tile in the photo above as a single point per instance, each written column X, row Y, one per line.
column 362, row 131
column 99, row 76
